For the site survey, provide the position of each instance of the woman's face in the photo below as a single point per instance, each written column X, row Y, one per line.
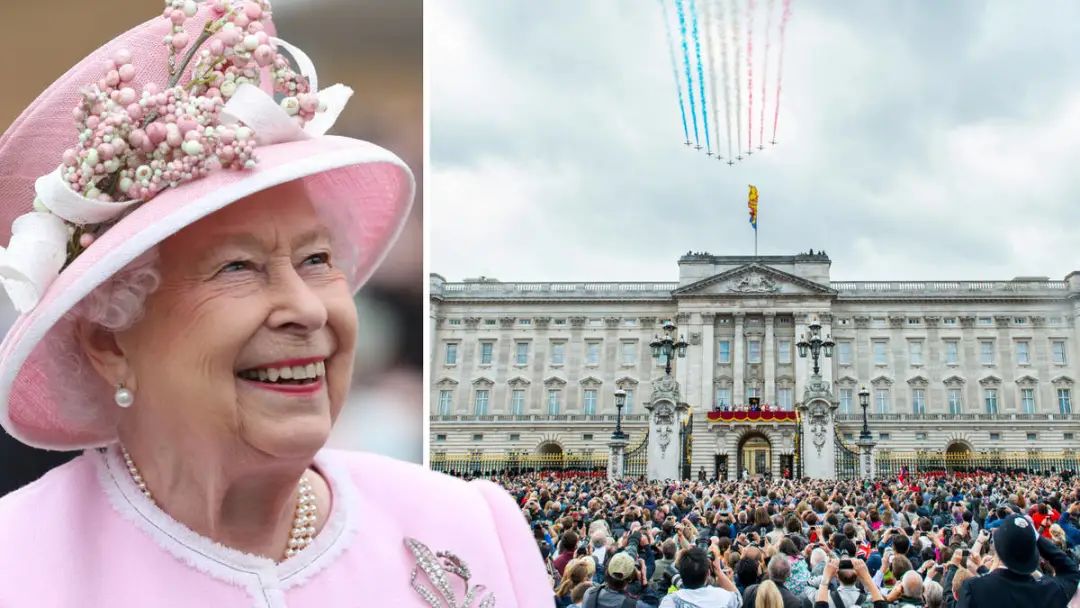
column 250, row 336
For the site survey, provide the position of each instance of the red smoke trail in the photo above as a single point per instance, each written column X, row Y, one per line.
column 765, row 71
column 780, row 68
column 750, row 77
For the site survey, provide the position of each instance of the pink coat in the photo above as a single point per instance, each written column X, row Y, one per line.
column 84, row 535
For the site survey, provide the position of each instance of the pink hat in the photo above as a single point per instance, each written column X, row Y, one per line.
column 117, row 193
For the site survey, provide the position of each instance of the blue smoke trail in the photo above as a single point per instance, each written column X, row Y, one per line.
column 700, row 77
column 674, row 69
column 686, row 64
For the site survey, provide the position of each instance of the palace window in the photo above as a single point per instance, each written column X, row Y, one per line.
column 490, row 321
column 990, row 396
column 629, row 352
column 752, row 392
column 1064, row 396
column 723, row 397
column 881, row 397
column 517, row 401
column 881, row 348
column 783, row 352
column 451, row 353
column 784, row 396
column 524, row 321
column 724, row 352
column 1032, row 436
column 952, row 352
column 949, row 321
column 486, row 351
column 1027, row 400
column 480, row 404
column 445, row 402
column 920, row 436
column 1023, row 353
column 843, row 352
column 553, row 402
column 956, row 401
column 440, row 437
column 1057, row 348
column 884, row 436
column 986, row 352
column 515, row 436
column 918, row 401
column 586, row 436
column 478, row 437
column 590, row 402
column 915, row 352
column 558, row 352
column 753, row 351
column 629, row 407
column 521, row 353
column 845, row 400
column 995, row 436
column 592, row 352
column 985, row 321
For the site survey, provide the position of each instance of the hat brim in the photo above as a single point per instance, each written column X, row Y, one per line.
column 366, row 189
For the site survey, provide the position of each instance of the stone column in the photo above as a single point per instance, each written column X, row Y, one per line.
column 738, row 361
column 617, row 447
column 827, row 362
column 769, row 357
column 802, row 366
column 693, row 361
column 708, row 363
column 680, row 367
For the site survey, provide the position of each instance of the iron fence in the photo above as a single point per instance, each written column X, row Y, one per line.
column 484, row 465
column 891, row 464
column 847, row 460
column 635, row 461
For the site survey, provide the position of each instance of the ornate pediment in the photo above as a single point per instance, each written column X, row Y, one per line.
column 753, row 279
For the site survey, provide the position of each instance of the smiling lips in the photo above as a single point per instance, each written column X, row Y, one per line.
column 296, row 376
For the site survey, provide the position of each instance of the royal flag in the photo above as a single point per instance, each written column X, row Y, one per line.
column 752, row 204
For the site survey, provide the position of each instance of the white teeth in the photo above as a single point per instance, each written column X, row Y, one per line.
column 295, row 372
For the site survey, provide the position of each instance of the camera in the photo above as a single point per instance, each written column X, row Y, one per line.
column 845, row 564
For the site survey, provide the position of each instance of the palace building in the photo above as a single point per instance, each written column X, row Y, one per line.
column 953, row 368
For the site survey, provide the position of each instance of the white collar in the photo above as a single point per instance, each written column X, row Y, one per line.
column 253, row 572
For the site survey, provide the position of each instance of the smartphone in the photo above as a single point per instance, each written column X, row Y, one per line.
column 845, row 564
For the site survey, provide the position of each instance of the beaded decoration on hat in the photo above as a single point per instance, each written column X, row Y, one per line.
column 210, row 115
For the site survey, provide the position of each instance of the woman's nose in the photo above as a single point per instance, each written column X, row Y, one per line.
column 297, row 306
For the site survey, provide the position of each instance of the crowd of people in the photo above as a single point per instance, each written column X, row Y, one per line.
column 972, row 541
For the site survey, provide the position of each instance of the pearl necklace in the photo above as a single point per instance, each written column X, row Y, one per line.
column 303, row 528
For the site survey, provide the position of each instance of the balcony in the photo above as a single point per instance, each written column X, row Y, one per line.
column 553, row 291
column 561, row 418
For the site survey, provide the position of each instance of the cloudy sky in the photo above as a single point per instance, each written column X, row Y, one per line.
column 916, row 141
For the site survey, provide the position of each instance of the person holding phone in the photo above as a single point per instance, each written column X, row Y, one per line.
column 847, row 595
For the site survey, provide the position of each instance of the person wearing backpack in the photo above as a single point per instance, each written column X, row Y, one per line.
column 621, row 569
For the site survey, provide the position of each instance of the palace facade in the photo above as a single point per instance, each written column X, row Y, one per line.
column 951, row 366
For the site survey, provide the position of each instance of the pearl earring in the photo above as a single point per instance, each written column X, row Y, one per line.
column 123, row 396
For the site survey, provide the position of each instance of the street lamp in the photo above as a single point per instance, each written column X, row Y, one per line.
column 667, row 346
column 620, row 402
column 813, row 344
column 864, row 403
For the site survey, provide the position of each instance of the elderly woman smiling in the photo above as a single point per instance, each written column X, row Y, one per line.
column 186, row 281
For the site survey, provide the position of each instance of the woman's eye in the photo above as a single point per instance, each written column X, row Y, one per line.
column 235, row 266
column 318, row 259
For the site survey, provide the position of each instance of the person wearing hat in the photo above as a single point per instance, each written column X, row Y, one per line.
column 621, row 569
column 183, row 249
column 1019, row 546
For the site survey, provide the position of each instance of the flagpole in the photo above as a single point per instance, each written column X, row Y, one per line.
column 755, row 242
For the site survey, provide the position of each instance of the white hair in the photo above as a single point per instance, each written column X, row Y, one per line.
column 817, row 556
column 912, row 583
